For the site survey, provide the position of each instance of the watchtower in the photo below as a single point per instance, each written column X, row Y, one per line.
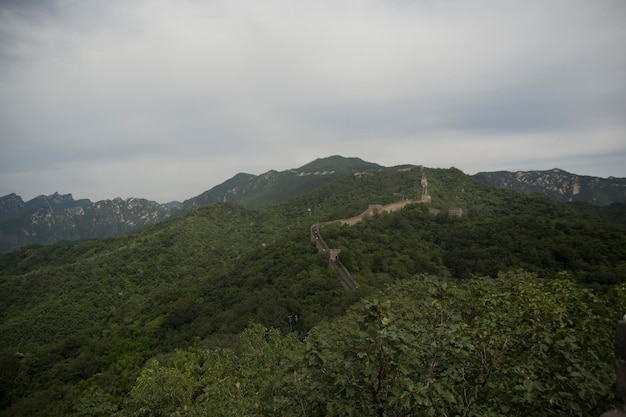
column 424, row 183
column 334, row 253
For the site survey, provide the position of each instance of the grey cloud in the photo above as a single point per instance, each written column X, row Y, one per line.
column 210, row 88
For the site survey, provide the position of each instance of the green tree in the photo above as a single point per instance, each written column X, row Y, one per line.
column 259, row 378
column 514, row 345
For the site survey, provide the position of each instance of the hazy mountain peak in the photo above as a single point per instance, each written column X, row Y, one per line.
column 338, row 163
column 560, row 185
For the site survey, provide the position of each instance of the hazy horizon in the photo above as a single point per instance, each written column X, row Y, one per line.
column 164, row 100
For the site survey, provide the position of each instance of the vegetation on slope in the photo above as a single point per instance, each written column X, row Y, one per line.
column 515, row 345
column 273, row 187
column 399, row 245
column 88, row 316
column 100, row 307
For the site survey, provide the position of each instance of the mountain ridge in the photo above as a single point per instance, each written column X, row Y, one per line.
column 274, row 186
column 55, row 218
column 58, row 217
column 560, row 185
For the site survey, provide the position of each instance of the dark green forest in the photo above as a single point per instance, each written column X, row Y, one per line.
column 508, row 309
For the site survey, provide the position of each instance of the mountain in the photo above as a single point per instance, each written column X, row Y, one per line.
column 560, row 185
column 272, row 187
column 84, row 325
column 172, row 204
column 13, row 207
column 55, row 218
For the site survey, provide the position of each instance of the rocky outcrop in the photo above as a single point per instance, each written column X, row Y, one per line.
column 11, row 207
column 54, row 218
column 560, row 185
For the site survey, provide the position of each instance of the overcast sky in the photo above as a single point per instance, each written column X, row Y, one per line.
column 164, row 99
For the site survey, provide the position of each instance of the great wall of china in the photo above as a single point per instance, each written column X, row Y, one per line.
column 334, row 262
column 350, row 283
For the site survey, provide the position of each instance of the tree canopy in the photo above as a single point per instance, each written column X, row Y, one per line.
column 515, row 345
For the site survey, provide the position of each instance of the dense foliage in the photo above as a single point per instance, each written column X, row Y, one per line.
column 412, row 241
column 99, row 309
column 515, row 345
column 87, row 327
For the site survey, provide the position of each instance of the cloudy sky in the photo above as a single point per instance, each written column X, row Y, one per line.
column 164, row 99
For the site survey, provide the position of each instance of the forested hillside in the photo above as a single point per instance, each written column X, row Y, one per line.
column 55, row 218
column 512, row 345
column 273, row 187
column 91, row 328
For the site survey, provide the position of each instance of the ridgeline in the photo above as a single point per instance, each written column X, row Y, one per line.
column 87, row 318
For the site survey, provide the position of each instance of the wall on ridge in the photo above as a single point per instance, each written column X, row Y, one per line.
column 373, row 209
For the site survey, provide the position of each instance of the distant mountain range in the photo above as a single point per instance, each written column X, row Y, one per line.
column 55, row 218
column 561, row 186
